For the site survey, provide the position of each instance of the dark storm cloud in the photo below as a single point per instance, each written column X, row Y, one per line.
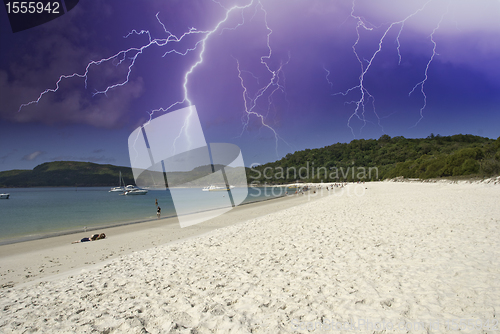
column 307, row 38
column 64, row 47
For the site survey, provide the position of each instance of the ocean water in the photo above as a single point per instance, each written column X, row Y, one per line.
column 32, row 213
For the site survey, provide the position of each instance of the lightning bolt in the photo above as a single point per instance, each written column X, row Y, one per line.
column 116, row 57
column 422, row 83
column 327, row 77
column 273, row 85
column 365, row 64
column 200, row 58
column 251, row 103
column 132, row 54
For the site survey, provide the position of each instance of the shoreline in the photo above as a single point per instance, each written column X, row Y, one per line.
column 114, row 223
column 106, row 226
column 102, row 225
column 33, row 237
column 37, row 259
column 27, row 261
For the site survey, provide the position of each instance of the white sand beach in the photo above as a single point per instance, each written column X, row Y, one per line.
column 422, row 257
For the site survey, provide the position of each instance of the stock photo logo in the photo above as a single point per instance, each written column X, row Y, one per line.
column 171, row 151
column 29, row 14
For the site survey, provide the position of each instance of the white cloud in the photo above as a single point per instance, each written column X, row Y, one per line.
column 33, row 156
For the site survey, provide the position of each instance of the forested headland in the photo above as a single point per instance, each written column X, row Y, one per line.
column 373, row 159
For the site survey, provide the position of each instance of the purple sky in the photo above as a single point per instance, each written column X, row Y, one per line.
column 300, row 63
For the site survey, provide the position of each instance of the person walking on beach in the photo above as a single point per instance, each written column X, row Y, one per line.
column 158, row 212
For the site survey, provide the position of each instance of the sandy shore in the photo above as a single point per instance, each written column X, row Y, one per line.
column 38, row 260
column 405, row 254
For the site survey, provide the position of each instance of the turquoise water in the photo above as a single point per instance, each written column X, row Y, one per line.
column 32, row 213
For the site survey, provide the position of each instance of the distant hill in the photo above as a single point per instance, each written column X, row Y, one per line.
column 431, row 157
column 66, row 174
column 87, row 174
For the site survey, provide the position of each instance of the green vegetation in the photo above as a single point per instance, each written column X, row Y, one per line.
column 66, row 173
column 432, row 157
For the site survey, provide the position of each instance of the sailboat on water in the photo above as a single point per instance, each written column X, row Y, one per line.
column 128, row 190
column 121, row 187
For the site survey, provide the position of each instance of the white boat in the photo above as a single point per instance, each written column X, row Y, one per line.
column 120, row 188
column 4, row 196
column 215, row 188
column 135, row 191
column 128, row 190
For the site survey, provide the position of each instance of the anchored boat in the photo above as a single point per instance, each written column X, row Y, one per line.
column 121, row 187
column 216, row 188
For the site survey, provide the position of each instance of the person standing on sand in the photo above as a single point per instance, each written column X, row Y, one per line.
column 158, row 212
